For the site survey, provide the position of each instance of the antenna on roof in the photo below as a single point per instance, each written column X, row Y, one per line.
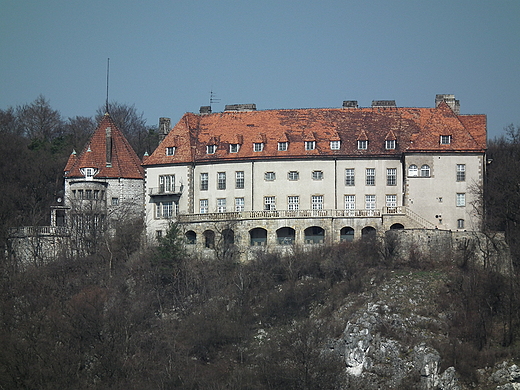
column 108, row 70
column 212, row 99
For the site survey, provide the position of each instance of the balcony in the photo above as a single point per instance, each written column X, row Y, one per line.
column 163, row 191
column 39, row 231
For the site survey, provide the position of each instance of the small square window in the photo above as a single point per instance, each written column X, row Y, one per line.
column 390, row 144
column 317, row 175
column 282, row 146
column 334, row 145
column 445, row 139
column 270, row 176
column 115, row 201
column 233, row 148
column 211, row 149
column 170, row 151
column 293, row 175
column 258, row 146
column 310, row 145
column 362, row 144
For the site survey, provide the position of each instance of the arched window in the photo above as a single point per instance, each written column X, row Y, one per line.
column 285, row 236
column 425, row 171
column 314, row 235
column 346, row 234
column 396, row 226
column 191, row 237
column 412, row 170
column 258, row 236
column 228, row 236
column 368, row 232
column 209, row 239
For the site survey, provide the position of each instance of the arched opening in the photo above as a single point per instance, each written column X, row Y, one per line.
column 396, row 226
column 413, row 170
column 368, row 232
column 258, row 236
column 191, row 237
column 286, row 236
column 209, row 239
column 425, row 171
column 346, row 234
column 228, row 236
column 314, row 235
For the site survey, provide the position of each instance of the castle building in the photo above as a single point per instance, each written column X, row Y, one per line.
column 275, row 178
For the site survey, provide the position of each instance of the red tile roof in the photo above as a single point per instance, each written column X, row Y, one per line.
column 124, row 162
column 414, row 129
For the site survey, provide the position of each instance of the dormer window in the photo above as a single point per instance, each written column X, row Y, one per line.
column 390, row 144
column 310, row 145
column 282, row 146
column 258, row 146
column 211, row 149
column 334, row 145
column 234, row 148
column 445, row 139
column 362, row 144
column 88, row 172
column 170, row 150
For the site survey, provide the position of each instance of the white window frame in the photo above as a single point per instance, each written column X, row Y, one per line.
column 461, row 199
column 317, row 175
column 293, row 175
column 203, row 206
column 425, row 170
column 390, row 144
column 391, row 200
column 269, row 203
column 239, row 204
column 221, row 180
column 221, row 205
column 350, row 178
column 391, row 176
column 310, row 145
column 317, row 202
column 370, row 176
column 445, row 139
column 283, row 146
column 167, row 210
column 239, row 180
column 350, row 202
column 166, row 183
column 269, row 176
column 170, row 150
column 204, row 181
column 335, row 145
column 461, row 172
column 370, row 202
column 234, row 148
column 362, row 144
column 258, row 146
column 413, row 170
column 293, row 203
column 211, row 149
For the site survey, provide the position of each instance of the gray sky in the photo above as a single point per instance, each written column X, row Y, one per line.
column 166, row 56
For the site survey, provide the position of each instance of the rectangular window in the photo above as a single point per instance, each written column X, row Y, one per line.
column 167, row 209
column 269, row 203
column 461, row 172
column 370, row 176
column 96, row 194
column 203, row 206
column 391, row 201
column 390, row 144
column 461, row 200
column 204, row 181
column 170, row 151
column 166, row 183
column 115, row 201
column 370, row 202
column 221, row 180
column 334, row 145
column 239, row 179
column 88, row 194
column 269, row 176
column 445, row 139
column 310, row 145
column 233, row 148
column 258, row 146
column 362, row 144
column 293, row 203
column 317, row 175
column 349, row 177
column 80, row 194
column 282, row 146
column 158, row 210
column 350, row 202
column 89, row 173
column 391, row 176
column 221, row 205
column 239, row 204
column 317, row 202
column 460, row 224
column 211, row 149
column 293, row 175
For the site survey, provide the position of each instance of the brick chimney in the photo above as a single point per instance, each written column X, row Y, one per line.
column 164, row 128
column 450, row 101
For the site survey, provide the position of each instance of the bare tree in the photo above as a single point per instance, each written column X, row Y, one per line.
column 39, row 121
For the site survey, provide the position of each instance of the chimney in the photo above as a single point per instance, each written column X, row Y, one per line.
column 108, row 147
column 450, row 101
column 164, row 128
column 350, row 104
column 383, row 103
column 205, row 110
column 240, row 107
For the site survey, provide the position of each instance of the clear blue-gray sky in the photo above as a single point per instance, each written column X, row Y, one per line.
column 166, row 56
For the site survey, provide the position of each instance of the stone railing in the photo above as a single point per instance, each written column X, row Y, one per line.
column 176, row 190
column 274, row 214
column 33, row 231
